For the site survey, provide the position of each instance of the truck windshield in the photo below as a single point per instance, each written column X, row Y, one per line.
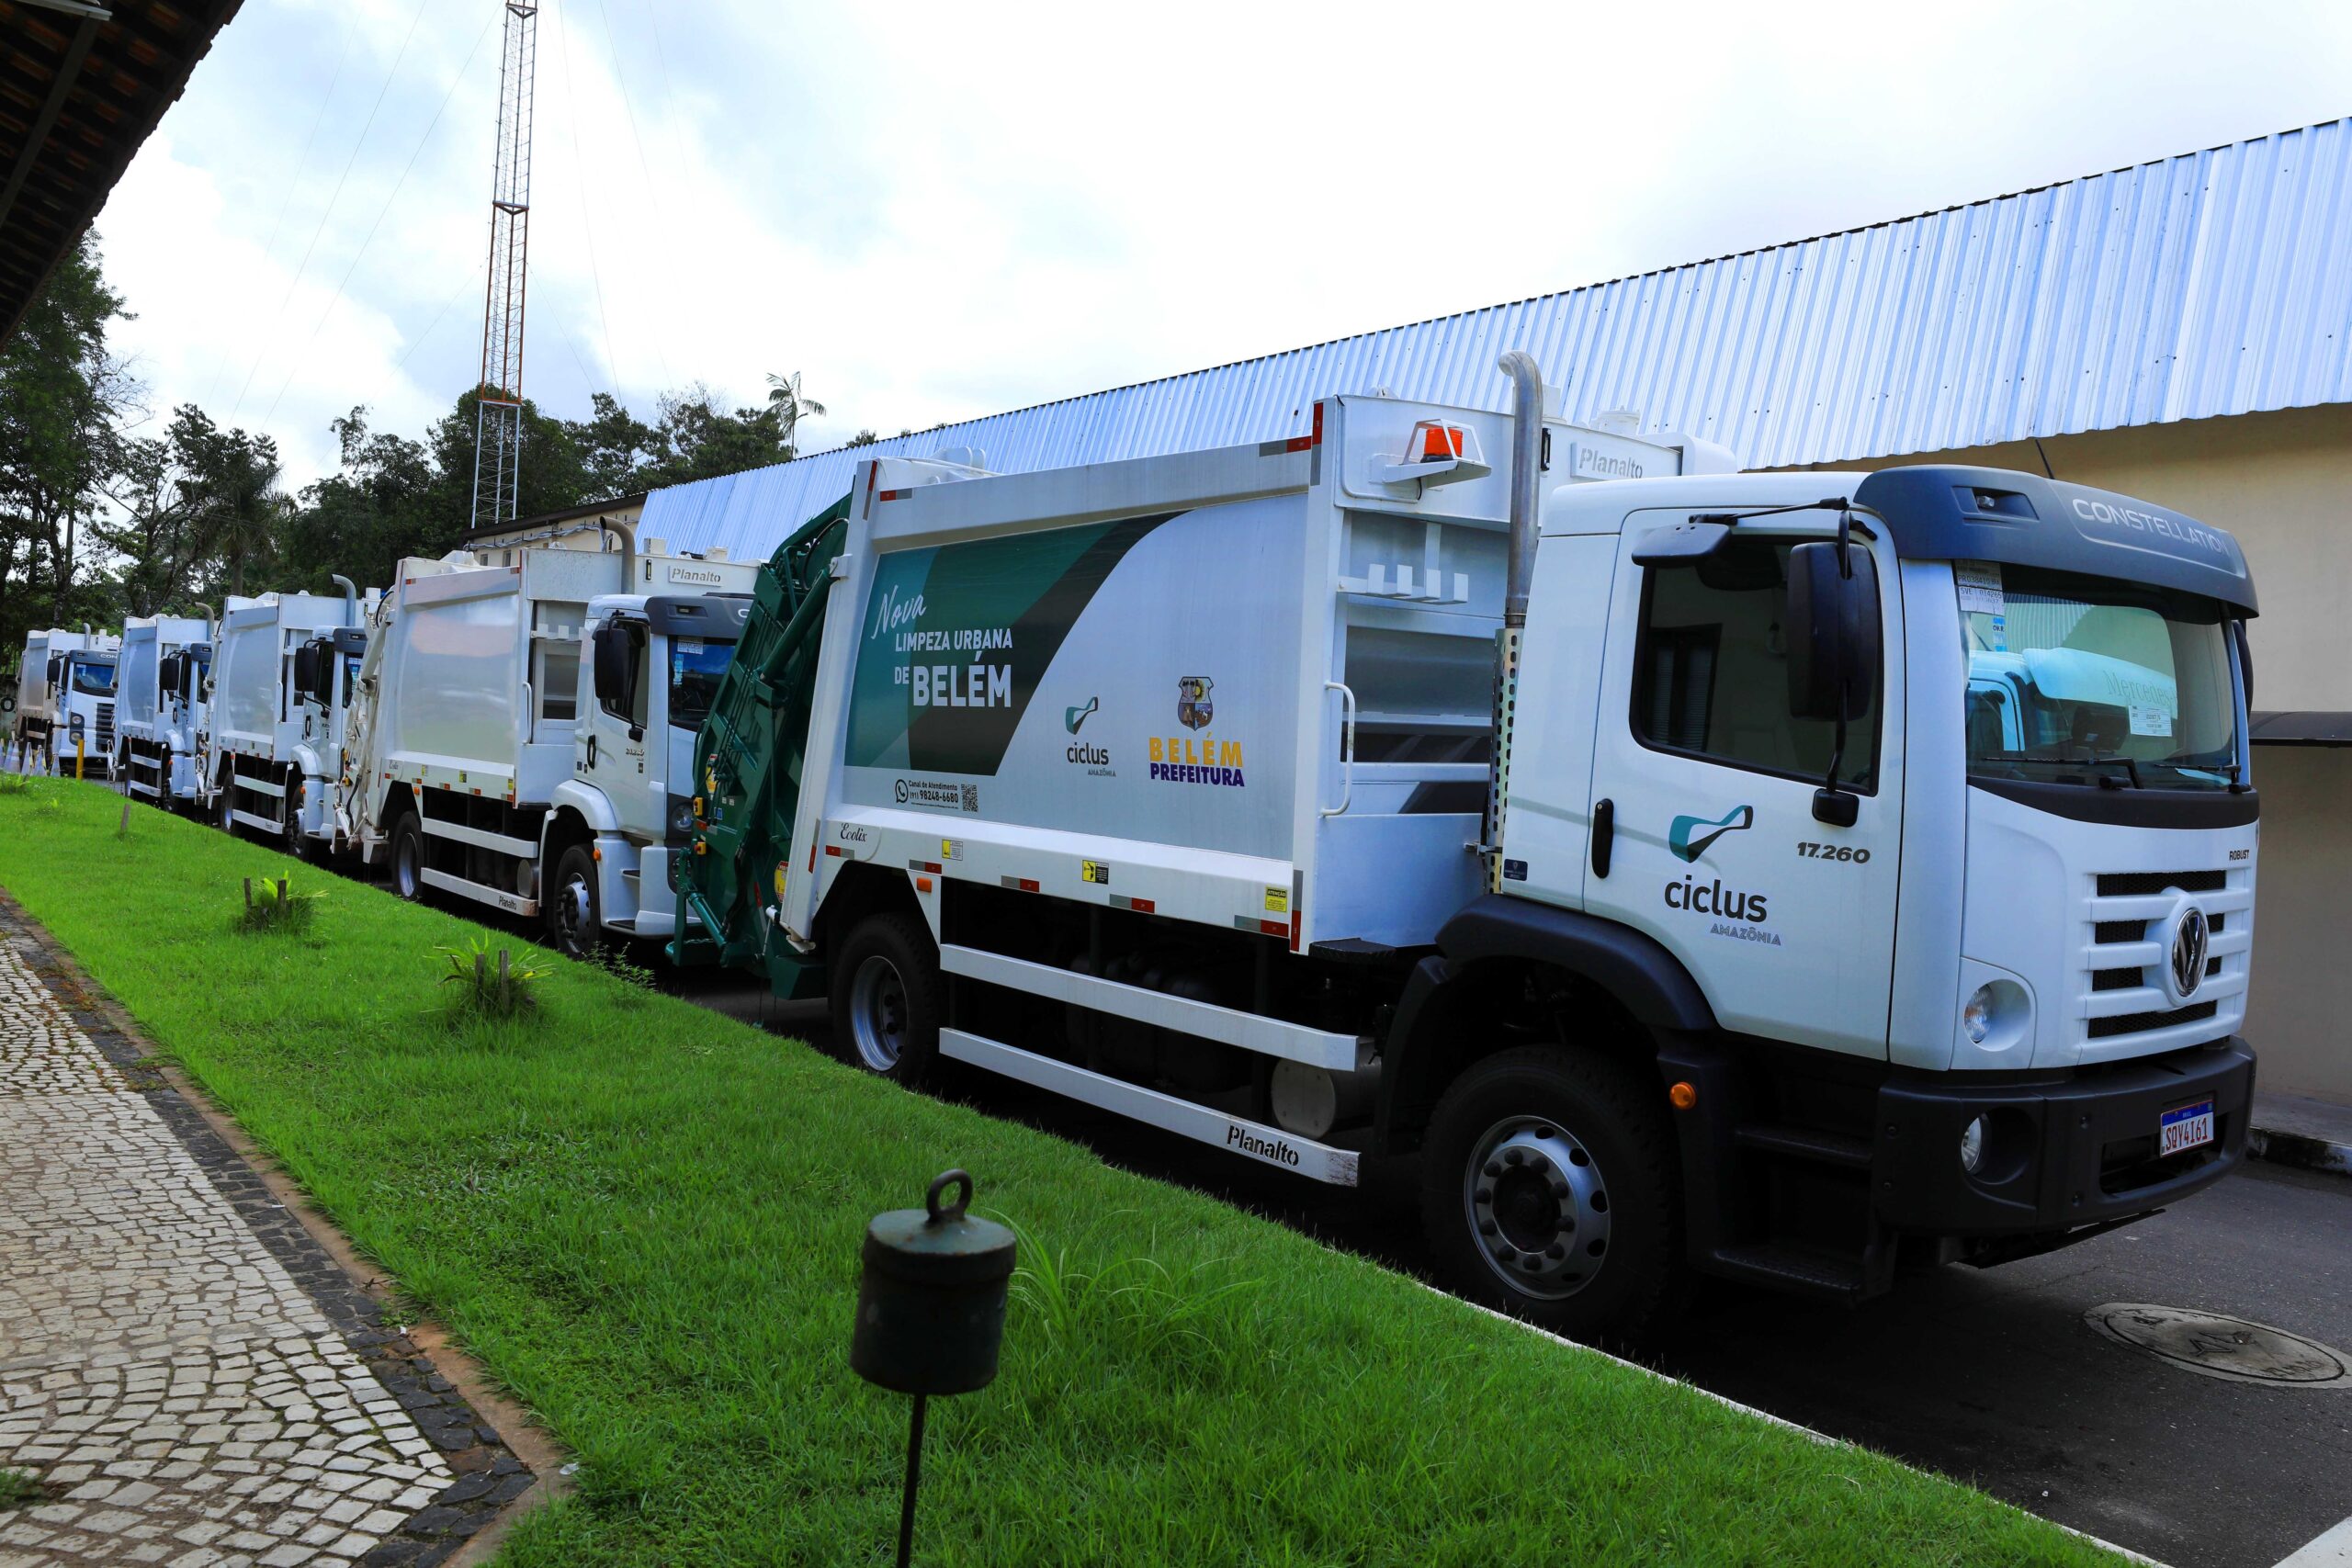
column 93, row 680
column 696, row 665
column 2090, row 680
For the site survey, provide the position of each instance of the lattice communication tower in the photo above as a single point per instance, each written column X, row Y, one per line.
column 498, row 431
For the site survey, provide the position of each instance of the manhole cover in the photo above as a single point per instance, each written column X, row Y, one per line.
column 2218, row 1346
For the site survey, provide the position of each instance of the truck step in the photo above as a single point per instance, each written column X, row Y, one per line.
column 1808, row 1143
column 1818, row 1274
column 1186, row 1119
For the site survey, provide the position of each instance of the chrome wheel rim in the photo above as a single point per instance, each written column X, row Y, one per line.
column 404, row 876
column 574, row 924
column 1538, row 1207
column 878, row 1013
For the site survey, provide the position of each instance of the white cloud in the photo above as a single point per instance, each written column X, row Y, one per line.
column 938, row 213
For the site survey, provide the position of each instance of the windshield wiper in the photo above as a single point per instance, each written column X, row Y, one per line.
column 2059, row 760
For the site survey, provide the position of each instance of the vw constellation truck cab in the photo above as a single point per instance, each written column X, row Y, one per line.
column 159, row 705
column 524, row 729
column 1778, row 876
column 65, row 697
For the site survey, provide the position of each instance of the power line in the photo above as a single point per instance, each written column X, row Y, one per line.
column 302, row 163
column 328, row 211
column 579, row 164
column 336, row 297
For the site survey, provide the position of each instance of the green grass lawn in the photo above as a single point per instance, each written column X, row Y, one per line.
column 645, row 1219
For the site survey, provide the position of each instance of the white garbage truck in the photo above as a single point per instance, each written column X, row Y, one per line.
column 271, row 748
column 523, row 730
column 1779, row 876
column 65, row 686
column 158, row 707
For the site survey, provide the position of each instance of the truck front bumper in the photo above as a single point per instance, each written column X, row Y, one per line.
column 2059, row 1152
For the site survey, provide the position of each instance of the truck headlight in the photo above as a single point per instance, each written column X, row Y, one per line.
column 1976, row 1017
column 682, row 816
column 1997, row 1015
column 1972, row 1145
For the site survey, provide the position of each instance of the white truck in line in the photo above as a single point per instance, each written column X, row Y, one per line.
column 1769, row 876
column 271, row 750
column 524, row 729
column 65, row 701
column 158, row 707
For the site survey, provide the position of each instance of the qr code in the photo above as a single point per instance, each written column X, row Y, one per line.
column 972, row 799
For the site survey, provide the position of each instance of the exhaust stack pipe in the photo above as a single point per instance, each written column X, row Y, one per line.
column 628, row 531
column 1526, row 458
column 350, row 597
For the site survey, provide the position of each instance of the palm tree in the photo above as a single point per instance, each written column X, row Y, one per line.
column 786, row 396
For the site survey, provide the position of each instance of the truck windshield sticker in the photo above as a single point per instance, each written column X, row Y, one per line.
column 958, row 637
column 1980, row 587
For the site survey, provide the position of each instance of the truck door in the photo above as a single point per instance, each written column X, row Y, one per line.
column 1786, row 923
column 609, row 737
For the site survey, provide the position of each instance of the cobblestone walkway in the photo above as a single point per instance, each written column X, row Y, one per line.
column 181, row 1395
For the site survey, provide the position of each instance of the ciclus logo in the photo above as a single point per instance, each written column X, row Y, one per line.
column 1690, row 836
column 1073, row 717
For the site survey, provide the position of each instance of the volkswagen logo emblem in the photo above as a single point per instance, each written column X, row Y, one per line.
column 2190, row 941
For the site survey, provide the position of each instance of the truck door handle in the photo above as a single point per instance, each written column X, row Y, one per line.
column 1604, row 835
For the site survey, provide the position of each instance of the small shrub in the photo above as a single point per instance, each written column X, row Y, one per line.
column 15, row 783
column 18, row 1490
column 493, row 986
column 274, row 907
column 637, row 978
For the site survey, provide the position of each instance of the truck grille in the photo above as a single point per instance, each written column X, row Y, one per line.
column 2123, row 1001
column 104, row 746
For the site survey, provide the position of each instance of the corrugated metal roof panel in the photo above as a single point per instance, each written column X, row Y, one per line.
column 2215, row 283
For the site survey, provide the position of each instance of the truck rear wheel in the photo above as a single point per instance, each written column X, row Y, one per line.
column 1549, row 1192
column 225, row 804
column 885, row 990
column 408, row 859
column 575, row 914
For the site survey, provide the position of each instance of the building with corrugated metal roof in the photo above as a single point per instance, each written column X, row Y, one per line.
column 2177, row 329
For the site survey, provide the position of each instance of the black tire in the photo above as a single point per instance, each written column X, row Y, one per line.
column 224, row 803
column 407, row 859
column 1589, row 1210
column 289, row 826
column 885, row 993
column 575, row 911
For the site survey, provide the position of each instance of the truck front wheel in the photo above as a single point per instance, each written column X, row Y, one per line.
column 575, row 915
column 408, row 859
column 1549, row 1192
column 885, row 990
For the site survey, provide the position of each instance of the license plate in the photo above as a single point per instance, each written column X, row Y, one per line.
column 2185, row 1127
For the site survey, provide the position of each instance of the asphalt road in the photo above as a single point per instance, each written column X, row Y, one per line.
column 1990, row 1376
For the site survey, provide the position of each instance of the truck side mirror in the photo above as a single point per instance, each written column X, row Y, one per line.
column 1831, row 621
column 306, row 669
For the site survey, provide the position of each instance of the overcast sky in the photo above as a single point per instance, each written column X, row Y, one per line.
column 938, row 211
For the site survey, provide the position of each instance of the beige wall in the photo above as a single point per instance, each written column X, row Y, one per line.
column 2299, row 1017
column 2282, row 483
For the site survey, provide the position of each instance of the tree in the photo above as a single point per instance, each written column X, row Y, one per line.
column 791, row 405
column 379, row 506
column 61, row 398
